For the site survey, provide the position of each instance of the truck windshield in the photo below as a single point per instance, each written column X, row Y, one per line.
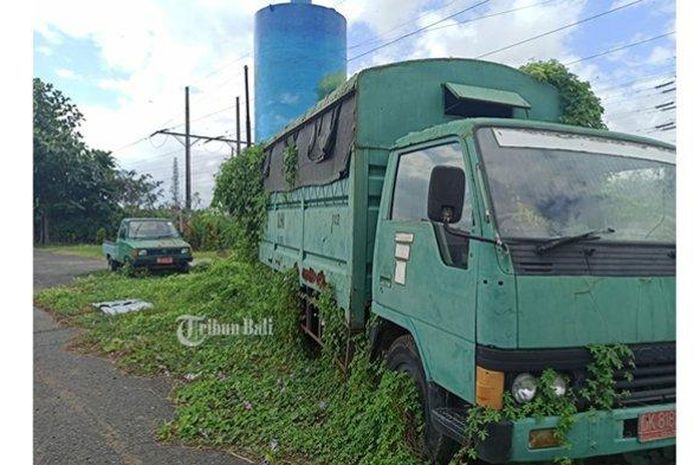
column 152, row 230
column 548, row 184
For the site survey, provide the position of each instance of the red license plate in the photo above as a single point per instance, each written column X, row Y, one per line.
column 653, row 426
column 164, row 260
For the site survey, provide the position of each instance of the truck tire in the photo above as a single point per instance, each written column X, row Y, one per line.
column 112, row 265
column 403, row 357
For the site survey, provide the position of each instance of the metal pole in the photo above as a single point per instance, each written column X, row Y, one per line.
column 238, row 125
column 248, row 138
column 188, row 168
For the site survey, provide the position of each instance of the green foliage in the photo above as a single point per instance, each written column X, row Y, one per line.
column 77, row 190
column 290, row 160
column 267, row 393
column 100, row 236
column 239, row 192
column 210, row 230
column 335, row 333
column 581, row 107
column 328, row 84
column 599, row 392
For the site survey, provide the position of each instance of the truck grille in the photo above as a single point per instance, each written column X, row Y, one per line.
column 653, row 378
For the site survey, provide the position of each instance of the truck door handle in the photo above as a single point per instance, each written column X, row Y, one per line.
column 384, row 281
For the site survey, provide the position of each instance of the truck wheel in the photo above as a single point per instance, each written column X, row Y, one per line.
column 112, row 265
column 403, row 357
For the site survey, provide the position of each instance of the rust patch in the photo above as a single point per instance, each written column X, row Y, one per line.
column 312, row 277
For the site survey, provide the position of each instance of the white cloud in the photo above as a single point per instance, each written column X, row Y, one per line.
column 44, row 50
column 66, row 73
column 150, row 49
column 660, row 55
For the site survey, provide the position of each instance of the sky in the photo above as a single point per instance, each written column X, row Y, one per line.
column 125, row 64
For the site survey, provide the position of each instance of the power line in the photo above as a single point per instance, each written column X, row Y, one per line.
column 559, row 29
column 491, row 15
column 617, row 49
column 409, row 34
column 636, row 95
column 413, row 20
column 670, row 74
column 655, row 88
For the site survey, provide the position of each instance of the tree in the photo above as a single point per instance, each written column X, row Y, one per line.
column 580, row 106
column 58, row 147
column 329, row 83
column 137, row 191
column 77, row 190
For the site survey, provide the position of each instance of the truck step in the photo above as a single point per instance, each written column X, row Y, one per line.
column 450, row 421
column 495, row 448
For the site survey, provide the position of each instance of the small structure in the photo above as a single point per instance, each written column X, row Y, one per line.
column 116, row 307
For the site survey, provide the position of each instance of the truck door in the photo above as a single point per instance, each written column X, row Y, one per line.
column 119, row 245
column 425, row 275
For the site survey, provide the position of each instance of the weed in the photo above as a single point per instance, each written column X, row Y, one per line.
column 264, row 392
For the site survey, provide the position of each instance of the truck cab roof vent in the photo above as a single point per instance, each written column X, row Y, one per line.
column 472, row 101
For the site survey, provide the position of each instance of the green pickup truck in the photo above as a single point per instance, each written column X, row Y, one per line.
column 491, row 243
column 151, row 243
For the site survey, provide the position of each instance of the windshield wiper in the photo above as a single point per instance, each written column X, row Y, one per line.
column 592, row 235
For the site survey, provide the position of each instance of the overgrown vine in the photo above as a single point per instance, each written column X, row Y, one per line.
column 290, row 160
column 598, row 393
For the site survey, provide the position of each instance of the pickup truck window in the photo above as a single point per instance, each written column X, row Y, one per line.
column 547, row 184
column 410, row 200
column 152, row 230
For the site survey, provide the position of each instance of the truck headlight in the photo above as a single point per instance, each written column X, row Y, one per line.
column 559, row 386
column 142, row 252
column 185, row 251
column 524, row 388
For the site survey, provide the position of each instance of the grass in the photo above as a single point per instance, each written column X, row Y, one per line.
column 267, row 397
column 79, row 250
column 95, row 251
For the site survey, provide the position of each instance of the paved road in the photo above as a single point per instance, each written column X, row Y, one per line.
column 85, row 410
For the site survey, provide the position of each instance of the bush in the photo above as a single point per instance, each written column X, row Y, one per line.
column 580, row 105
column 101, row 235
column 239, row 192
column 210, row 230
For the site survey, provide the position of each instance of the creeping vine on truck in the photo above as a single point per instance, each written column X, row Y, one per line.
column 289, row 161
column 598, row 393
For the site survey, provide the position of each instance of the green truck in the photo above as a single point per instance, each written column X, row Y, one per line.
column 490, row 242
column 149, row 243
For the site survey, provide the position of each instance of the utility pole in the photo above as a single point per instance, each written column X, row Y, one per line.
column 188, row 166
column 248, row 138
column 238, row 125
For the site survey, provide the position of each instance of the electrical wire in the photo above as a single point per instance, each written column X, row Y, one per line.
column 412, row 33
column 617, row 49
column 559, row 29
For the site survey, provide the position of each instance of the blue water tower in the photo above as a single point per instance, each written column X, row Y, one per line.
column 300, row 54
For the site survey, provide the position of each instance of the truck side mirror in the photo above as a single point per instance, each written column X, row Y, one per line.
column 446, row 194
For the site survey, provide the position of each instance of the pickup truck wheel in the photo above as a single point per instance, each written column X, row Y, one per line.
column 403, row 357
column 112, row 265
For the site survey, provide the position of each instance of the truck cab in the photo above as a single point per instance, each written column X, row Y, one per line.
column 508, row 247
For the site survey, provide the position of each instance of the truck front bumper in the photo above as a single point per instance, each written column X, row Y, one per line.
column 151, row 262
column 595, row 433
